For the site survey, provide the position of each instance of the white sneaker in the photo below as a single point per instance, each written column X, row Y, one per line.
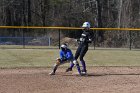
column 84, row 73
column 52, row 73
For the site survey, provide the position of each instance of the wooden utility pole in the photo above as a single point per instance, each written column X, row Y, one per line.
column 29, row 12
column 99, row 15
column 120, row 13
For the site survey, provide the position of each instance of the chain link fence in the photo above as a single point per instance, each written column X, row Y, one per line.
column 53, row 38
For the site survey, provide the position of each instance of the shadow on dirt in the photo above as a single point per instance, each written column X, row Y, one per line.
column 107, row 74
column 102, row 74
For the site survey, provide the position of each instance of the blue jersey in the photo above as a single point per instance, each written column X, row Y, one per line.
column 67, row 54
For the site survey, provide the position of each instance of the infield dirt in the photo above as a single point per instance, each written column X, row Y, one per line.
column 98, row 80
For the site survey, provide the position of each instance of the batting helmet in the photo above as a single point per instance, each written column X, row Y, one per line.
column 86, row 25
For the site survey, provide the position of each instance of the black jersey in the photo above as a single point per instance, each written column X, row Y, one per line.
column 86, row 37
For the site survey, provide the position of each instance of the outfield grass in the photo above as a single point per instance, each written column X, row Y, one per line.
column 46, row 57
column 113, row 58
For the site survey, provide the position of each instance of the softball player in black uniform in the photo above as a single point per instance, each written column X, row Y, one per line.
column 85, row 39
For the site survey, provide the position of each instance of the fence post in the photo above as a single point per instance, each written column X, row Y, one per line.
column 94, row 39
column 23, row 38
column 59, row 38
column 49, row 41
column 130, row 45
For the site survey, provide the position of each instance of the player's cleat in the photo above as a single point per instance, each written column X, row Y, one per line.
column 52, row 73
column 84, row 72
column 68, row 69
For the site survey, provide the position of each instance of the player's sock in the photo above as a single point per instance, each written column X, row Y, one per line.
column 83, row 65
column 55, row 68
column 71, row 65
column 78, row 68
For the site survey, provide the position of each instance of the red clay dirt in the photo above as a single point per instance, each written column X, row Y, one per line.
column 98, row 80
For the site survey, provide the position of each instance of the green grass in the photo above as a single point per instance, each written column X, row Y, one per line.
column 113, row 58
column 26, row 46
column 27, row 57
column 11, row 58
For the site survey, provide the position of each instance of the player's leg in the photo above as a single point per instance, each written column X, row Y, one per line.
column 77, row 53
column 82, row 54
column 58, row 62
column 77, row 66
column 74, row 62
column 71, row 66
column 76, row 57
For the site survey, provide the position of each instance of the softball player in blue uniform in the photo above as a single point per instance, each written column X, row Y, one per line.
column 65, row 56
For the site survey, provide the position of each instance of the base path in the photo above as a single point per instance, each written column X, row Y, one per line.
column 98, row 80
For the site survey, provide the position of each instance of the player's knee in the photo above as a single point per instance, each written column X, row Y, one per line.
column 75, row 62
column 58, row 61
column 81, row 59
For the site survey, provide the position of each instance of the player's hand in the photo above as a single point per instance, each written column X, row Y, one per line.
column 64, row 59
column 57, row 58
